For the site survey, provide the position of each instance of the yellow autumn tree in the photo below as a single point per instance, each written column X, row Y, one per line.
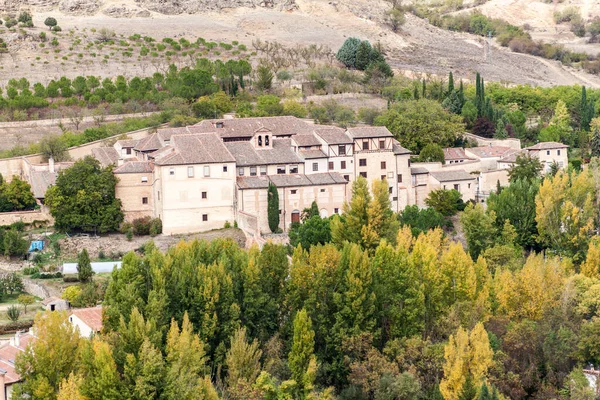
column 591, row 266
column 459, row 271
column 467, row 353
column 532, row 291
column 69, row 388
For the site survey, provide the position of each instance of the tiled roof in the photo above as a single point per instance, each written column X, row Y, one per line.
column 106, row 155
column 41, row 181
column 398, row 149
column 92, row 317
column 455, row 153
column 547, row 146
column 125, row 143
column 206, row 148
column 488, row 151
column 134, row 167
column 333, row 135
column 449, row 176
column 246, row 155
column 166, row 134
column 149, row 143
column 8, row 355
column 262, row 182
column 369, row 132
column 306, row 140
column 511, row 156
column 418, row 170
column 51, row 299
column 245, row 127
column 311, row 154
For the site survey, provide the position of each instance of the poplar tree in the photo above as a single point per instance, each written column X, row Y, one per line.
column 348, row 227
column 144, row 374
column 301, row 360
column 595, row 139
column 101, row 379
column 242, row 360
column 70, row 388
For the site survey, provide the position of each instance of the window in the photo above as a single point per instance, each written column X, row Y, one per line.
column 548, row 152
column 395, row 198
column 456, row 186
column 347, row 178
column 336, row 210
column 219, row 125
column 204, row 195
column 391, row 189
column 382, row 177
column 322, row 190
column 241, row 171
column 267, row 140
column 363, row 174
column 263, row 170
column 171, row 171
column 281, row 169
column 144, row 179
column 362, row 162
column 558, row 152
column 342, row 150
column 469, row 186
column 207, row 170
column 158, row 196
column 382, row 144
column 190, row 172
column 390, row 175
column 144, row 200
column 315, row 166
column 399, row 178
column 365, row 145
column 383, row 165
column 343, row 164
column 293, row 191
column 224, row 168
column 330, row 165
column 293, row 169
column 260, row 141
column 204, row 217
column 128, row 151
column 252, row 171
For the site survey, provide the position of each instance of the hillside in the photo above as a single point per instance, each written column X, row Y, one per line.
column 419, row 47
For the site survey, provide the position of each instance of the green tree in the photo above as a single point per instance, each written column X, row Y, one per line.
column 25, row 300
column 13, row 313
column 559, row 129
column 84, row 266
column 348, row 227
column 469, row 113
column 363, row 55
column 14, row 244
column 50, row 22
column 446, row 202
column 312, row 230
column 83, row 198
column 417, row 123
column 595, row 137
column 396, row 18
column 273, row 207
column 264, row 79
column 525, row 167
column 421, row 220
column 269, row 105
column 100, row 376
column 301, row 360
column 347, row 53
column 432, row 153
column 480, row 229
column 54, row 147
column 242, row 360
column 143, row 374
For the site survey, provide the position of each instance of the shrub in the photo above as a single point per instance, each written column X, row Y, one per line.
column 445, row 202
column 155, row 227
column 56, row 28
column 13, row 313
column 14, row 244
column 84, row 266
column 71, row 293
column 129, row 235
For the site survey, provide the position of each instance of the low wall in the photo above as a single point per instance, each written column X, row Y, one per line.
column 481, row 141
column 25, row 216
column 248, row 223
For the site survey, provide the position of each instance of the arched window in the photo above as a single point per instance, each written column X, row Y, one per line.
column 260, row 141
column 266, row 140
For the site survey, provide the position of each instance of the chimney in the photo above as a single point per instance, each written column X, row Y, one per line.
column 51, row 164
column 120, row 162
column 18, row 339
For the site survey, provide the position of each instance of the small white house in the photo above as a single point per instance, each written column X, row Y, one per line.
column 87, row 320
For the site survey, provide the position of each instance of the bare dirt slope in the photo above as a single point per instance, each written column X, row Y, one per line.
column 418, row 47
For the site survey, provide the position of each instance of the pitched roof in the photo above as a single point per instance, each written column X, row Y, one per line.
column 166, row 134
column 511, row 156
column 125, row 143
column 245, row 127
column 488, row 151
column 92, row 317
column 149, row 143
column 369, row 132
column 106, row 155
column 418, row 171
column 262, row 182
column 206, row 148
column 333, row 135
column 547, row 146
column 398, row 149
column 8, row 355
column 306, row 140
column 51, row 299
column 246, row 155
column 449, row 176
column 311, row 154
column 41, row 181
column 455, row 153
column 134, row 167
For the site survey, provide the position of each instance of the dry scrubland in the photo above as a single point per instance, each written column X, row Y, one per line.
column 419, row 47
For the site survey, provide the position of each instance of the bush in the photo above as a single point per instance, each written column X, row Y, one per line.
column 71, row 293
column 13, row 313
column 445, row 202
column 155, row 227
column 56, row 28
column 14, row 244
column 141, row 226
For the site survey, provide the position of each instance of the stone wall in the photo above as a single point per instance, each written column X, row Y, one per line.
column 35, row 289
column 26, row 217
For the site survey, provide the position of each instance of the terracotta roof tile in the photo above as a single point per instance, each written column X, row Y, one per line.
column 306, row 140
column 245, row 127
column 369, row 132
column 206, row 148
column 312, row 154
column 106, row 155
column 455, row 153
column 135, row 167
column 333, row 135
column 488, row 151
column 449, row 176
column 547, row 146
column 92, row 317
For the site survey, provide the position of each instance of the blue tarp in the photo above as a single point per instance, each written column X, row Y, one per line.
column 36, row 245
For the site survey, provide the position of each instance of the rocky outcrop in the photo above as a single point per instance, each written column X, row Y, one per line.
column 79, row 7
column 122, row 11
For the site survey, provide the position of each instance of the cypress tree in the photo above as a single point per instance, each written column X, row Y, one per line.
column 595, row 142
column 84, row 266
column 450, row 83
column 461, row 94
column 478, row 102
column 484, row 393
column 415, row 93
column 273, row 207
column 424, row 90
